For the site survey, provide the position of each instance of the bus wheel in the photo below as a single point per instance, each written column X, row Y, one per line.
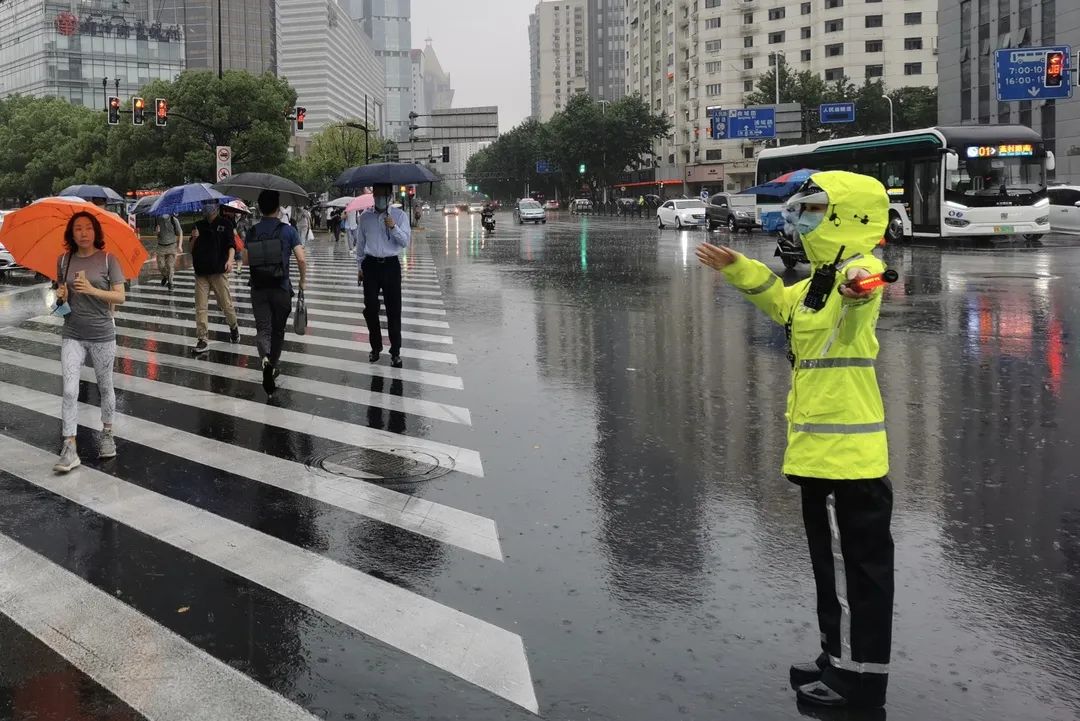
column 894, row 232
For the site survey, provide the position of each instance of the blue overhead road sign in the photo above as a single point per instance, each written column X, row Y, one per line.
column 837, row 112
column 1033, row 73
column 743, row 123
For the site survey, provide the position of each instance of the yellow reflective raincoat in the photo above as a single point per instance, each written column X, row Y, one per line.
column 836, row 420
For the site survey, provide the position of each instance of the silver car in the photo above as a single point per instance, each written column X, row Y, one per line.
column 530, row 211
column 7, row 261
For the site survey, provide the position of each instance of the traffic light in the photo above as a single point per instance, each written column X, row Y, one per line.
column 114, row 110
column 138, row 111
column 1055, row 68
column 412, row 191
column 446, row 153
column 161, row 115
column 404, row 191
column 581, row 169
column 301, row 115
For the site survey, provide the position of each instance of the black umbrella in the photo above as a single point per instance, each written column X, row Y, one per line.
column 144, row 204
column 92, row 192
column 385, row 174
column 247, row 186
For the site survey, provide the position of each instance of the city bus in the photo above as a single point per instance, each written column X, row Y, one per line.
column 972, row 180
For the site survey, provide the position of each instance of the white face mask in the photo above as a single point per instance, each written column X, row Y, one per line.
column 381, row 203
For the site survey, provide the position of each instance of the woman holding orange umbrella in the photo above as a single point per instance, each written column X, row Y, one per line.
column 90, row 284
column 88, row 252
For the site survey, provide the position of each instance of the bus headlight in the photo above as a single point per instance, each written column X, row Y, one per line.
column 957, row 222
column 1044, row 220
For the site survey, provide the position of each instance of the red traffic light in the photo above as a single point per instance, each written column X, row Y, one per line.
column 1055, row 68
column 412, row 191
column 114, row 110
column 301, row 115
column 138, row 111
column 161, row 114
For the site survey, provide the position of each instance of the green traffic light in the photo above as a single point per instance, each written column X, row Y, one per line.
column 581, row 169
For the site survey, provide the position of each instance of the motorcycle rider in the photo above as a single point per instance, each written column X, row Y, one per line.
column 487, row 215
column 837, row 450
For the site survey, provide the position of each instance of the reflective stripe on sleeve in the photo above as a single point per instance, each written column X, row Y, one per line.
column 837, row 363
column 757, row 290
column 840, row 428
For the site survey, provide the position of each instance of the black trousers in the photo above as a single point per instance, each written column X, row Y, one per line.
column 271, row 307
column 382, row 274
column 851, row 548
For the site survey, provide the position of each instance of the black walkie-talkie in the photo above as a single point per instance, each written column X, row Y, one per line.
column 821, row 284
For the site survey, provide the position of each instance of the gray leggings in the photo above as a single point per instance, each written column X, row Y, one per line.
column 72, row 356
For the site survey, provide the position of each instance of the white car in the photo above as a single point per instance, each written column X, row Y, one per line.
column 681, row 214
column 7, row 261
column 530, row 211
column 475, row 208
column 1064, row 208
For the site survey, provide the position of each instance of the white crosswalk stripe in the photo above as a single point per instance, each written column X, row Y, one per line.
column 79, row 619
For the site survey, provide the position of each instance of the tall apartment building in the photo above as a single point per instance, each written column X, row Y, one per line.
column 607, row 49
column 330, row 61
column 559, row 58
column 388, row 23
column 971, row 30
column 684, row 56
column 249, row 32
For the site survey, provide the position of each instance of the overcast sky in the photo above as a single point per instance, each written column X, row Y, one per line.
column 484, row 45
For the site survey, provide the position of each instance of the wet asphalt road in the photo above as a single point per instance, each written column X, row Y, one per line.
column 616, row 411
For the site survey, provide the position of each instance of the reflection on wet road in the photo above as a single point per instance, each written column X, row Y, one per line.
column 571, row 493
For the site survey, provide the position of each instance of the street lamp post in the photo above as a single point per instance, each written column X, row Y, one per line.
column 220, row 48
column 886, row 96
column 603, row 105
column 776, row 74
column 359, row 126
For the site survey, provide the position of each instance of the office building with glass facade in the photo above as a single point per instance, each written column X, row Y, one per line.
column 249, row 32
column 67, row 49
column 388, row 23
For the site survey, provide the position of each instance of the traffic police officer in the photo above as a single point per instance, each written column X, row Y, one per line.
column 837, row 450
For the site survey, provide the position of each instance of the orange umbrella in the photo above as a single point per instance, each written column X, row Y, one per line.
column 34, row 235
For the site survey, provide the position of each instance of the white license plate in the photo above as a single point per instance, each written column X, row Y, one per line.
column 1004, row 229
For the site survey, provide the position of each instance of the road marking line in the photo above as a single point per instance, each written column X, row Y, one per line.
column 350, row 434
column 319, row 361
column 469, row 648
column 153, row 670
column 310, row 340
column 337, row 295
column 449, row 525
column 314, row 306
column 317, row 324
column 206, row 367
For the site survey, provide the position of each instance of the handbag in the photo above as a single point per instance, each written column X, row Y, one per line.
column 300, row 319
column 310, row 236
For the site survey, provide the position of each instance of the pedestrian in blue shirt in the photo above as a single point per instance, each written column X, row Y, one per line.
column 269, row 248
column 383, row 233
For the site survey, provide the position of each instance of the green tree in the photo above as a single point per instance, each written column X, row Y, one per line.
column 332, row 150
column 46, row 144
column 803, row 87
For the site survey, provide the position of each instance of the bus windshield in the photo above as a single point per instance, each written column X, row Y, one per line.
column 981, row 177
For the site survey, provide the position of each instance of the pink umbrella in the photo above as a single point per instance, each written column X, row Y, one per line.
column 362, row 202
column 237, row 205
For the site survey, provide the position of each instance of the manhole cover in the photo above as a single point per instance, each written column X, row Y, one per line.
column 399, row 464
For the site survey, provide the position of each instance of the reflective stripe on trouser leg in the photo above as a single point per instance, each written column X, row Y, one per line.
column 845, row 661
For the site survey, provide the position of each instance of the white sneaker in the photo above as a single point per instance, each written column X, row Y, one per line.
column 69, row 458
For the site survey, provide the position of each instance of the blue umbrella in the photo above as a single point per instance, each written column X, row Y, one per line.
column 188, row 198
column 782, row 187
column 385, row 173
column 92, row 192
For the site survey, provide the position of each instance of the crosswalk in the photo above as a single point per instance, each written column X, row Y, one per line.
column 200, row 444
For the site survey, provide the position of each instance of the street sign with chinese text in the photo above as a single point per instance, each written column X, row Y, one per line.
column 750, row 123
column 1033, row 73
column 837, row 113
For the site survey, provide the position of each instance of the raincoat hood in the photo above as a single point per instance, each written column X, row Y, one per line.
column 856, row 218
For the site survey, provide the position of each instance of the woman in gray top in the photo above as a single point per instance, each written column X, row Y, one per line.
column 90, row 283
column 170, row 238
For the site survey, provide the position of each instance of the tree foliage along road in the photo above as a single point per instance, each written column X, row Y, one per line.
column 607, row 139
column 329, row 152
column 914, row 107
column 47, row 143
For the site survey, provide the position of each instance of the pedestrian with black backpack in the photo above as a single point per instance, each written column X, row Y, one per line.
column 270, row 247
